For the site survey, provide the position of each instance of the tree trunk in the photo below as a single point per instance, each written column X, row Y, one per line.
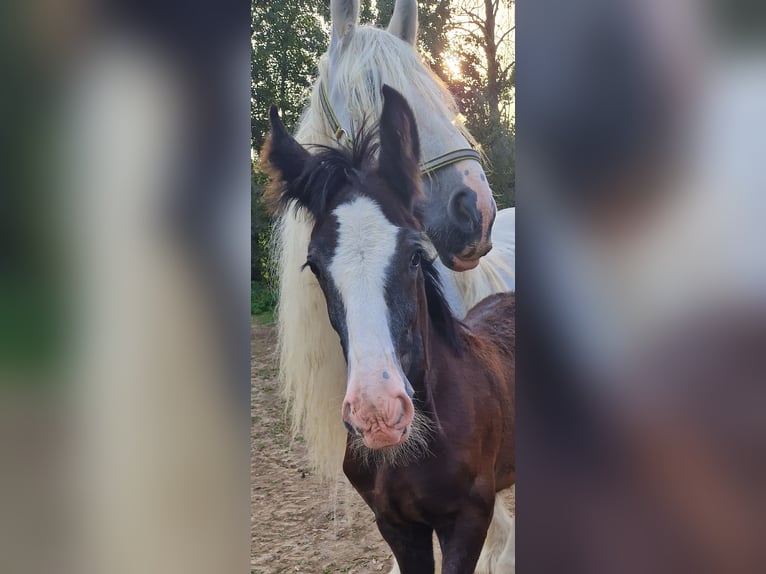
column 493, row 67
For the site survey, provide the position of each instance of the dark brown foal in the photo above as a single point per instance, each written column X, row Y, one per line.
column 471, row 446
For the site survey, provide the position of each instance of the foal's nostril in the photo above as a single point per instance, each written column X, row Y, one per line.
column 406, row 413
column 347, row 417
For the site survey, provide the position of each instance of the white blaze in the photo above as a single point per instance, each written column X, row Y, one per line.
column 366, row 246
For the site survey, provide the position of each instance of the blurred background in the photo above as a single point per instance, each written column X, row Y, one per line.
column 640, row 186
column 124, row 262
column 469, row 44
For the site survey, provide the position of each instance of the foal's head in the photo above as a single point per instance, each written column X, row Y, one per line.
column 367, row 251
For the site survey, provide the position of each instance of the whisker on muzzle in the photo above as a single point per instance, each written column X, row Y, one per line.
column 416, row 447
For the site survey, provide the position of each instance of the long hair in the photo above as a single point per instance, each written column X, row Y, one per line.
column 375, row 58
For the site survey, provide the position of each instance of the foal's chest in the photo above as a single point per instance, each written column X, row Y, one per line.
column 416, row 493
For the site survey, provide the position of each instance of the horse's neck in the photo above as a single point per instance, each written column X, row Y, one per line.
column 313, row 129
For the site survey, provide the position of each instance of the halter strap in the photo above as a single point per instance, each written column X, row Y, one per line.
column 448, row 158
column 426, row 167
column 341, row 135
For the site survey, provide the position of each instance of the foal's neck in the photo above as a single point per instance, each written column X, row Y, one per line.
column 423, row 376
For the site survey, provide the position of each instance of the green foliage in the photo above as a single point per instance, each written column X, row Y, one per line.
column 263, row 298
column 288, row 38
column 496, row 136
column 260, row 231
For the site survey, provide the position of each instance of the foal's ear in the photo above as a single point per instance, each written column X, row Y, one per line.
column 284, row 159
column 344, row 15
column 404, row 22
column 399, row 147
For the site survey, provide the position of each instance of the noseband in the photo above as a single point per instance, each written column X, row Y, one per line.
column 426, row 167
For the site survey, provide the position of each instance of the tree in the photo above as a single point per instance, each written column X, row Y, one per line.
column 483, row 41
column 287, row 40
column 487, row 27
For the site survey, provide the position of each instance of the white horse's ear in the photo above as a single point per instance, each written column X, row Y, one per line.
column 345, row 18
column 404, row 22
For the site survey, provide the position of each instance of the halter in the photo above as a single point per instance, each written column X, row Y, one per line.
column 426, row 167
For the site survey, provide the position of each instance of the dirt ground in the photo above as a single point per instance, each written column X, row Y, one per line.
column 299, row 524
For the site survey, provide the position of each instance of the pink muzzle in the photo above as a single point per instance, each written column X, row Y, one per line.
column 377, row 407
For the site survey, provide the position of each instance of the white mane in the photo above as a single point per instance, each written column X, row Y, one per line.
column 371, row 59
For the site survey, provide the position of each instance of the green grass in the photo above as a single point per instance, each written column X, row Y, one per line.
column 263, row 300
column 265, row 318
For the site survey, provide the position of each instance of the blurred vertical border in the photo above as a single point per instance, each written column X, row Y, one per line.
column 641, row 278
column 124, row 285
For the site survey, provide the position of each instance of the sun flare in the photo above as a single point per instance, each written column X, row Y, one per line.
column 452, row 64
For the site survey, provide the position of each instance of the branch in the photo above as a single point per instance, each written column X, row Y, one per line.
column 473, row 18
column 500, row 40
column 470, row 33
column 507, row 69
column 469, row 6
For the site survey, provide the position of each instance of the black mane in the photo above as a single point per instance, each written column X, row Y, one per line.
column 332, row 169
column 439, row 311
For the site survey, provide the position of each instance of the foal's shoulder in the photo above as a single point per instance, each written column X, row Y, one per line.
column 494, row 318
column 501, row 306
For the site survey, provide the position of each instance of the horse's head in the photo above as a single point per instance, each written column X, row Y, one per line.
column 457, row 209
column 368, row 254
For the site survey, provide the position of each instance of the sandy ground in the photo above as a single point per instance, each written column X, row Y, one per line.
column 298, row 523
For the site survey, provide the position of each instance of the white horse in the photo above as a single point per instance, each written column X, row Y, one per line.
column 458, row 216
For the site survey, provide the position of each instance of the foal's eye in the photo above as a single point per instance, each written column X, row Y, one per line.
column 415, row 259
